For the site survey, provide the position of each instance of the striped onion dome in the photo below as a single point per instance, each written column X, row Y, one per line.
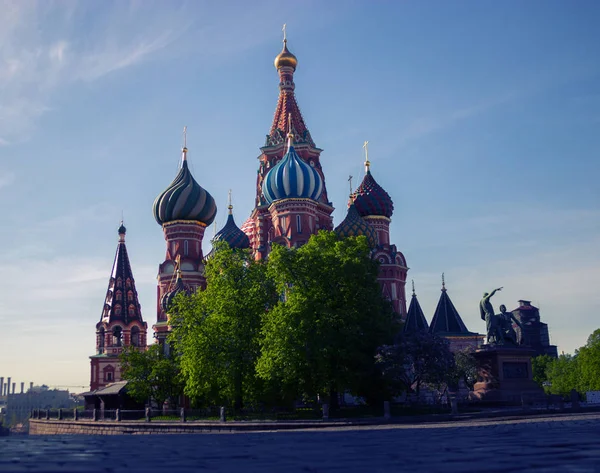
column 355, row 225
column 232, row 234
column 292, row 178
column 167, row 299
column 372, row 199
column 185, row 199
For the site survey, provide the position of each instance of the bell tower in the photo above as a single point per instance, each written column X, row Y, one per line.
column 121, row 324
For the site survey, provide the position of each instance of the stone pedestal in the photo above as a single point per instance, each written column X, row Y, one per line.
column 504, row 374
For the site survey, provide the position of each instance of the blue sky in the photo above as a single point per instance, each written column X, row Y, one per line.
column 482, row 119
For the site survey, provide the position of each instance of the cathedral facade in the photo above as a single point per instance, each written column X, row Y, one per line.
column 291, row 204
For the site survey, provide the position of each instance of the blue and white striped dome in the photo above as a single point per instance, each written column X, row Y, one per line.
column 292, row 178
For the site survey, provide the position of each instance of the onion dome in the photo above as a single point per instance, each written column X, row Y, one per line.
column 231, row 233
column 355, row 225
column 167, row 299
column 372, row 199
column 292, row 178
column 122, row 230
column 285, row 58
column 185, row 199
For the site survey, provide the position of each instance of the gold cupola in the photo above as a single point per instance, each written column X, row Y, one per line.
column 285, row 58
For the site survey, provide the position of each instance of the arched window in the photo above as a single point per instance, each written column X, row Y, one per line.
column 185, row 248
column 129, row 296
column 119, row 296
column 299, row 223
column 119, row 282
column 109, row 296
column 101, row 335
column 131, row 310
column 135, row 336
column 117, row 334
column 117, row 309
column 128, row 283
column 109, row 373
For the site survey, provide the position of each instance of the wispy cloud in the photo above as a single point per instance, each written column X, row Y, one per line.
column 424, row 125
column 42, row 50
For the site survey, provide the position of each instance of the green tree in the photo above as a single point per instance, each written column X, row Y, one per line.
column 322, row 335
column 415, row 359
column 588, row 361
column 540, row 365
column 563, row 375
column 216, row 331
column 151, row 375
column 465, row 368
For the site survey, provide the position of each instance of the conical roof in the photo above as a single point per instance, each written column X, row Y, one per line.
column 415, row 319
column 121, row 302
column 446, row 319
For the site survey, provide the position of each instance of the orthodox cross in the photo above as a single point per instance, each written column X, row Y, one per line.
column 366, row 148
column 443, row 282
column 185, row 136
column 229, row 206
column 284, row 33
column 350, row 181
column 413, row 286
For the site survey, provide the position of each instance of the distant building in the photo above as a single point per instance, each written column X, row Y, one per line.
column 534, row 333
column 19, row 406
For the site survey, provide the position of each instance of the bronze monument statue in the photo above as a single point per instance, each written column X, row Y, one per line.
column 486, row 310
column 506, row 320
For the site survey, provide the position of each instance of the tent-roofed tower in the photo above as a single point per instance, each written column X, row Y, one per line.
column 448, row 323
column 292, row 222
column 415, row 319
column 121, row 323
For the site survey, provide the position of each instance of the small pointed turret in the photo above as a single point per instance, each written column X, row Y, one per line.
column 415, row 319
column 446, row 319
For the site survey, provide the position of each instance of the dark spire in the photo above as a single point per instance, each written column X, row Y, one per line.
column 415, row 319
column 446, row 319
column 121, row 301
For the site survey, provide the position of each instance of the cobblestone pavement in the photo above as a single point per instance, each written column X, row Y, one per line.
column 564, row 443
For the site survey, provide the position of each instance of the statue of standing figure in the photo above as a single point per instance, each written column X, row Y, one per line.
column 499, row 327
column 486, row 310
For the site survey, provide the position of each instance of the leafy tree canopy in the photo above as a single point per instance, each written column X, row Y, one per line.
column 417, row 358
column 151, row 375
column 322, row 335
column 216, row 332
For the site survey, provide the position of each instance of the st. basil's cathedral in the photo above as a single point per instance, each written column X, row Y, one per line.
column 291, row 204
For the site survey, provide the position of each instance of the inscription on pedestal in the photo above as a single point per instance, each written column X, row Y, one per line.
column 515, row 370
